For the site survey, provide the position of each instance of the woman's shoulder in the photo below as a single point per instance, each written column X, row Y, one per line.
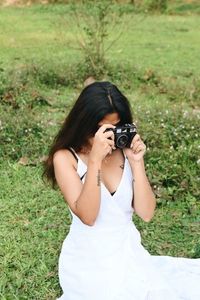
column 65, row 156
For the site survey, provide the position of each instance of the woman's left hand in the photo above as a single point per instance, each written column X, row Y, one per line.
column 136, row 150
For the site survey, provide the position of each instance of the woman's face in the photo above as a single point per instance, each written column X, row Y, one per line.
column 112, row 118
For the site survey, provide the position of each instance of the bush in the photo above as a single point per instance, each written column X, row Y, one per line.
column 94, row 21
column 156, row 5
column 171, row 135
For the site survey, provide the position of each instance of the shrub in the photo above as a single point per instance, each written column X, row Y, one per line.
column 156, row 5
column 94, row 22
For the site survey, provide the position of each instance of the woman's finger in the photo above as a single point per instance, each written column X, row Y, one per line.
column 109, row 149
column 141, row 147
column 111, row 143
column 135, row 139
column 136, row 144
column 109, row 134
column 104, row 127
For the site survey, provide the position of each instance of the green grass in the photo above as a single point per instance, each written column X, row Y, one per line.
column 32, row 231
column 156, row 63
column 165, row 43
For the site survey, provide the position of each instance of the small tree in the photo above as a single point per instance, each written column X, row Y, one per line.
column 95, row 22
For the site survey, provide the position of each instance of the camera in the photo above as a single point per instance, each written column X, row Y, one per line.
column 123, row 135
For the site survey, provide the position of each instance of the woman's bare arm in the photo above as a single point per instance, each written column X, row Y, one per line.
column 144, row 199
column 83, row 199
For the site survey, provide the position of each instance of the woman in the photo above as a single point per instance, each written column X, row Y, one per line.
column 102, row 257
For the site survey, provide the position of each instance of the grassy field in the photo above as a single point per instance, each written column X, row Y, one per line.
column 156, row 63
column 164, row 43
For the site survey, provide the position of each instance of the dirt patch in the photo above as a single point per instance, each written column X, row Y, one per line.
column 11, row 3
column 20, row 2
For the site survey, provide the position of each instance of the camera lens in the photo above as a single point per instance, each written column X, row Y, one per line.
column 122, row 141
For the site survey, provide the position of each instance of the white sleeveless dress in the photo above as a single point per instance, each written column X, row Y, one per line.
column 107, row 261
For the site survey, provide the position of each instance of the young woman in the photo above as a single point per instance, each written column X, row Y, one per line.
column 102, row 257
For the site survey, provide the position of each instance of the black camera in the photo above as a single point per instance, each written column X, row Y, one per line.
column 123, row 135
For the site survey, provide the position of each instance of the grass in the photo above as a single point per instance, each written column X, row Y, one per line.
column 156, row 64
column 172, row 39
column 30, row 235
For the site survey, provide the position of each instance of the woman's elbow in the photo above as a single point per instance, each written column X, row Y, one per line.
column 149, row 216
column 147, row 219
column 88, row 221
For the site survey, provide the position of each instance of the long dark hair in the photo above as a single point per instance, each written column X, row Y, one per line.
column 93, row 104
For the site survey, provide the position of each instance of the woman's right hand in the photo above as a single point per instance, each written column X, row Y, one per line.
column 103, row 143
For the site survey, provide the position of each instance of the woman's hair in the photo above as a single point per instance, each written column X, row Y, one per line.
column 93, row 104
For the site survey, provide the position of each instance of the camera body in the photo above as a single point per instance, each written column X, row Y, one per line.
column 124, row 135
